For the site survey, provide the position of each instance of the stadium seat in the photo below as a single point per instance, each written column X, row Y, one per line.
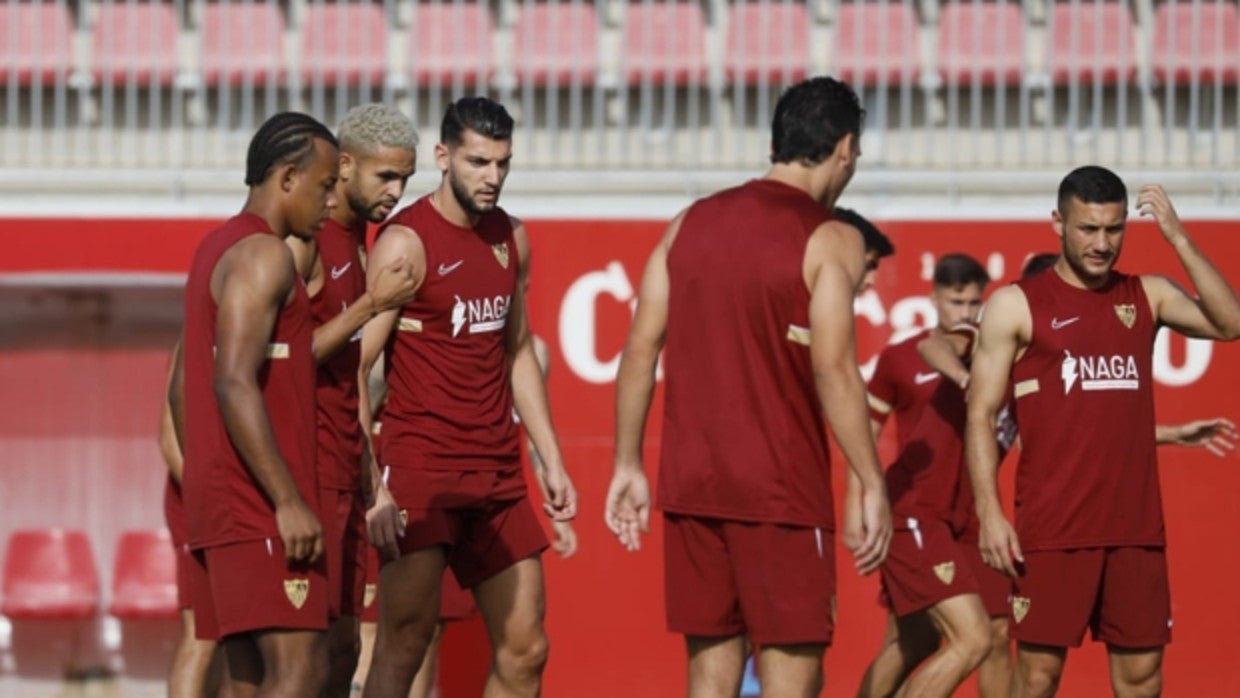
column 767, row 42
column 135, row 42
column 49, row 575
column 451, row 41
column 983, row 42
column 35, row 40
column 242, row 41
column 144, row 581
column 664, row 43
column 876, row 42
column 1092, row 42
column 343, row 43
column 1196, row 41
column 556, row 44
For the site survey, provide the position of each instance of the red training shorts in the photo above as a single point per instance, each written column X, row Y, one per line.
column 994, row 586
column 1121, row 594
column 455, row 603
column 250, row 587
column 924, row 565
column 344, row 545
column 483, row 518
column 189, row 575
column 774, row 582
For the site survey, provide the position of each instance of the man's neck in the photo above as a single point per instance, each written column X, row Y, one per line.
column 800, row 177
column 258, row 205
column 444, row 201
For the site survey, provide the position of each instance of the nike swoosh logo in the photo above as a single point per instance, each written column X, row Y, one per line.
column 445, row 269
column 339, row 272
column 1057, row 324
column 922, row 378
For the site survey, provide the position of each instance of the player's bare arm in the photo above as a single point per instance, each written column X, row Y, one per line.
column 942, row 351
column 1005, row 331
column 169, row 444
column 627, row 511
column 834, row 267
column 397, row 243
column 1215, row 312
column 529, row 393
column 1217, row 435
column 251, row 283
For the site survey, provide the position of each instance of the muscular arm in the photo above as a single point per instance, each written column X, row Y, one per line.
column 1215, row 313
column 1004, row 331
column 942, row 352
column 835, row 264
column 169, row 444
column 628, row 497
column 529, row 393
column 253, row 280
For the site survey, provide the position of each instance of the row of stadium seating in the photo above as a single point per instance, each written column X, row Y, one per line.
column 50, row 585
column 560, row 43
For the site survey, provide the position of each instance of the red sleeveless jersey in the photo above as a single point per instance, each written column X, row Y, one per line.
column 1088, row 473
column 449, row 403
column 901, row 386
column 224, row 503
column 743, row 433
column 339, row 432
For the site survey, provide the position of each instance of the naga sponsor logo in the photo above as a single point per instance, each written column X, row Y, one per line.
column 480, row 314
column 1113, row 372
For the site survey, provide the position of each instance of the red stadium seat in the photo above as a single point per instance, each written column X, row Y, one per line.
column 135, row 42
column 664, row 42
column 767, row 42
column 1092, row 42
column 451, row 41
column 242, row 41
column 556, row 44
column 983, row 42
column 35, row 40
column 144, row 581
column 876, row 43
column 343, row 42
column 49, row 575
column 1196, row 41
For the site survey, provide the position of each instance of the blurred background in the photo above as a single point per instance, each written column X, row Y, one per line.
column 123, row 130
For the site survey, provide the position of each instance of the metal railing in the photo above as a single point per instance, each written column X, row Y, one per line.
column 619, row 85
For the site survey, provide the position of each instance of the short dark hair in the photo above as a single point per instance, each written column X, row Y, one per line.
column 875, row 240
column 287, row 137
column 1091, row 184
column 810, row 119
column 1038, row 263
column 483, row 116
column 957, row 269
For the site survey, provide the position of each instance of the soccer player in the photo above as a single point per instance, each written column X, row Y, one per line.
column 1088, row 548
column 458, row 359
column 877, row 245
column 760, row 281
column 242, row 400
column 939, row 602
column 378, row 154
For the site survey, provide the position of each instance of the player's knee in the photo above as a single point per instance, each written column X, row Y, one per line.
column 343, row 648
column 1139, row 678
column 405, row 643
column 1039, row 681
column 973, row 644
column 523, row 658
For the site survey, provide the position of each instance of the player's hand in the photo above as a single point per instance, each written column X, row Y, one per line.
column 1218, row 435
column 1152, row 201
column 627, row 511
column 384, row 524
column 559, row 495
column 998, row 543
column 876, row 522
column 394, row 286
column 853, row 534
column 299, row 531
column 565, row 542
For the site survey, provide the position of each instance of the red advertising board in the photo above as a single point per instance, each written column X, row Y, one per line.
column 605, row 610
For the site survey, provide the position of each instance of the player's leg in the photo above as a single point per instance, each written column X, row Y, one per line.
column 192, row 663
column 513, row 606
column 424, row 683
column 1134, row 619
column 244, row 666
column 346, row 549
column 409, row 609
column 994, row 676
column 1038, row 670
column 908, row 642
column 343, row 648
column 716, row 666
column 294, row 663
column 791, row 671
column 965, row 630
column 1136, row 673
column 366, row 641
column 369, row 622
